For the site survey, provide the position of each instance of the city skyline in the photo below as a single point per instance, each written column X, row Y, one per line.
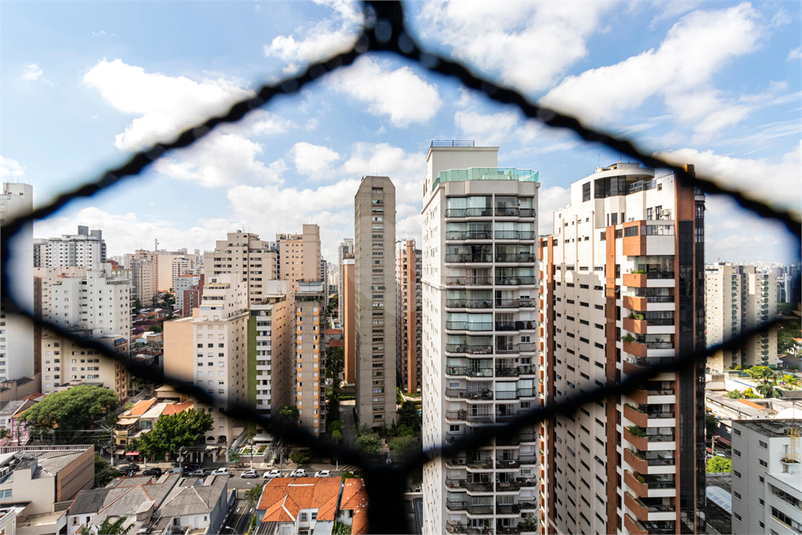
column 293, row 156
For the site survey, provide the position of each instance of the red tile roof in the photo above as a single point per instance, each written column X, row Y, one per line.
column 283, row 497
column 141, row 407
column 752, row 404
column 332, row 331
column 336, row 343
column 355, row 498
column 175, row 408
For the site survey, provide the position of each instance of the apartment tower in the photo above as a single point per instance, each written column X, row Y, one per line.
column 299, row 257
column 622, row 288
column 408, row 324
column 375, row 303
column 738, row 298
column 478, row 287
column 346, row 248
column 16, row 333
column 348, row 315
column 310, row 355
column 87, row 248
column 247, row 258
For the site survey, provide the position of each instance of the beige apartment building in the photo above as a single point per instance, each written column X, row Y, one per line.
column 299, row 256
column 348, row 315
column 310, row 355
column 375, row 311
column 210, row 349
column 738, row 298
column 181, row 265
column 162, row 264
column 345, row 248
column 478, row 286
column 408, row 324
column 247, row 259
column 66, row 364
column 271, row 366
column 621, row 287
column 143, row 272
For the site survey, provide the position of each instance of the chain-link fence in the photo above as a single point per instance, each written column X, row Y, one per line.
column 384, row 31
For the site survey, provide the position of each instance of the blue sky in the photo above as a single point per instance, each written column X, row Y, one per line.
column 716, row 84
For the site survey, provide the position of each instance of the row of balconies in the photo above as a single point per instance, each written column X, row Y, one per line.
column 524, row 302
column 489, row 235
column 462, row 415
column 487, row 485
column 488, row 349
column 521, row 527
column 504, row 371
column 484, row 326
column 501, row 211
column 487, row 280
column 477, row 257
column 525, row 437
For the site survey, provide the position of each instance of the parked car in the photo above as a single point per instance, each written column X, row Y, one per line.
column 323, row 473
column 152, row 472
column 300, row 472
column 271, row 474
column 251, row 473
column 197, row 472
column 221, row 472
column 176, row 470
column 130, row 468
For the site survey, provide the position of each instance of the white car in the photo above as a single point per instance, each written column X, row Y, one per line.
column 300, row 472
column 197, row 473
column 323, row 473
column 249, row 474
column 271, row 474
column 221, row 472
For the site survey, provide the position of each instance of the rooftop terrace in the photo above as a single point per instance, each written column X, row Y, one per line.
column 485, row 173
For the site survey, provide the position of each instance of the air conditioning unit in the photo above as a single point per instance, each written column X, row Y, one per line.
column 665, row 214
column 460, row 461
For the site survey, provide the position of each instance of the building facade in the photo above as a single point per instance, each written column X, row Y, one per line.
column 408, row 324
column 209, row 349
column 738, row 298
column 299, row 256
column 143, row 272
column 622, row 287
column 478, row 286
column 87, row 248
column 766, row 477
column 375, row 301
column 16, row 333
column 188, row 293
column 345, row 248
column 310, row 355
column 246, row 258
column 348, row 319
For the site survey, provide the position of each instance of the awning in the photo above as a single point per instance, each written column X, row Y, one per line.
column 721, row 440
column 132, row 453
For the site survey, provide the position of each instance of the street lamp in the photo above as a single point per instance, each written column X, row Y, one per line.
column 233, row 531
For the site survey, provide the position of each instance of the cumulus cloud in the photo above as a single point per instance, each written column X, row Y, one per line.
column 549, row 200
column 10, row 169
column 323, row 39
column 313, row 160
column 126, row 232
column 680, row 70
column 163, row 105
column 400, row 94
column 529, row 45
column 34, row 73
column 795, row 53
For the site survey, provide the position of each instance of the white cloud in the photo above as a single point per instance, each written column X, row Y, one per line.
column 795, row 53
column 34, row 73
column 323, row 39
column 10, row 169
column 779, row 183
column 313, row 160
column 493, row 129
column 125, row 233
column 406, row 170
column 549, row 200
column 164, row 105
column 400, row 94
column 679, row 70
column 529, row 44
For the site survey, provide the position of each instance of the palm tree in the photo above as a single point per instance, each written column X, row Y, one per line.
column 766, row 381
column 108, row 528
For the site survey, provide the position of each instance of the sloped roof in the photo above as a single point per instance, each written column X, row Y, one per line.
column 141, row 407
column 123, row 496
column 355, row 498
column 283, row 497
column 15, row 406
column 193, row 496
column 175, row 408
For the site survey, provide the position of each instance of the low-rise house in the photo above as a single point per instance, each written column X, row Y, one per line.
column 195, row 505
column 11, row 409
column 140, row 419
column 353, row 506
column 41, row 480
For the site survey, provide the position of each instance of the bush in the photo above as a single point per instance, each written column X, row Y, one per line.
column 299, row 457
column 637, row 431
column 719, row 465
column 369, row 443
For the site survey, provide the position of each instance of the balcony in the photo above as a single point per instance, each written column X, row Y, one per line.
column 507, row 463
column 634, row 438
column 514, row 235
column 480, row 509
column 470, row 349
column 636, row 416
column 636, row 483
column 523, row 302
column 637, row 507
column 515, row 371
column 515, row 257
column 516, row 281
column 468, row 212
column 469, row 303
column 507, row 486
column 507, row 325
column 455, row 483
column 633, row 526
column 469, row 234
column 528, row 459
column 633, row 302
column 636, row 460
column 635, row 348
column 480, row 280
column 457, row 528
column 479, row 486
column 468, row 258
column 634, row 325
column 464, row 393
column 634, row 280
column 453, row 505
column 470, row 326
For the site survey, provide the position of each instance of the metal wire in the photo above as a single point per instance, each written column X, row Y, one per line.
column 385, row 31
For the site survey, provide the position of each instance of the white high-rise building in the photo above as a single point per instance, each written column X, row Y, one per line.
column 16, row 333
column 87, row 248
column 479, row 321
column 247, row 258
column 767, row 476
column 738, row 298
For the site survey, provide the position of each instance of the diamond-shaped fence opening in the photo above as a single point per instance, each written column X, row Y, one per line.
column 385, row 31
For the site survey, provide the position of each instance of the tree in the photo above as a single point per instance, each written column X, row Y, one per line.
column 403, row 446
column 719, row 465
column 408, row 415
column 288, row 416
column 137, row 304
column 336, row 435
column 156, row 328
column 76, row 408
column 299, row 457
column 735, row 394
column 104, row 472
column 109, row 528
column 711, row 424
column 174, row 431
column 790, row 380
column 766, row 379
column 369, row 443
column 253, row 494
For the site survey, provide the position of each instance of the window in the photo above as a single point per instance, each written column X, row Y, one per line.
column 737, row 474
column 763, row 463
column 586, row 191
column 762, row 444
